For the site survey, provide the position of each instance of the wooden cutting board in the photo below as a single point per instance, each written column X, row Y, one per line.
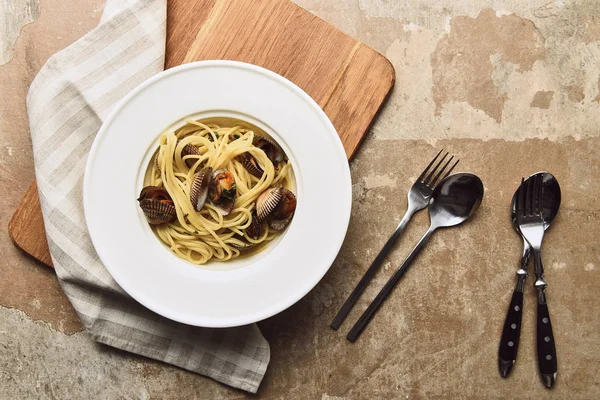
column 349, row 80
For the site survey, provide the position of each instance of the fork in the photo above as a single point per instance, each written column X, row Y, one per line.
column 531, row 223
column 418, row 198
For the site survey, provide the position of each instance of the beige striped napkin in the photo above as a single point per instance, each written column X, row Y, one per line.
column 67, row 102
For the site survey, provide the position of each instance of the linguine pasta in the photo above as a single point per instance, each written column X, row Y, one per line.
column 207, row 234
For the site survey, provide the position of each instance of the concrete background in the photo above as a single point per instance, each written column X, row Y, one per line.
column 511, row 87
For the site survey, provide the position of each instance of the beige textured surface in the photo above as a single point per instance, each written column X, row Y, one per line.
column 512, row 87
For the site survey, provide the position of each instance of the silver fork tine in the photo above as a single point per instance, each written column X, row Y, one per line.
column 529, row 197
column 521, row 198
column 533, row 196
column 538, row 194
column 450, row 170
column 427, row 180
column 420, row 178
column 434, row 181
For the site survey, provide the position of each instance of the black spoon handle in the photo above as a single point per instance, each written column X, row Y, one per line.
column 546, row 350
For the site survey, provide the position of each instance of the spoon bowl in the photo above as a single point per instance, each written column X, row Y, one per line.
column 455, row 199
column 550, row 199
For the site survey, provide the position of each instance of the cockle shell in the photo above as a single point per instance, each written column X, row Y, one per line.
column 254, row 230
column 157, row 205
column 199, row 188
column 273, row 151
column 190, row 149
column 249, row 162
column 276, row 206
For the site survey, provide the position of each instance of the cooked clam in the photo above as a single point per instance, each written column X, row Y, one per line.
column 223, row 185
column 273, row 151
column 276, row 206
column 267, row 201
column 190, row 150
column 251, row 165
column 222, row 191
column 200, row 187
column 254, row 230
column 243, row 245
column 157, row 205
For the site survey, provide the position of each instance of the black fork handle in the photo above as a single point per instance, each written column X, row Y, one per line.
column 509, row 341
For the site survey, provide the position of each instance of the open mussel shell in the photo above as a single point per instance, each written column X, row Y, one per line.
column 190, row 149
column 273, row 151
column 200, row 186
column 251, row 165
column 157, row 205
column 276, row 206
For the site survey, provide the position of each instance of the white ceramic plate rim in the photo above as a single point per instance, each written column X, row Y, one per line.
column 114, row 259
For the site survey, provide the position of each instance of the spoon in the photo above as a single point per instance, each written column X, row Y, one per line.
column 453, row 201
column 509, row 342
column 550, row 201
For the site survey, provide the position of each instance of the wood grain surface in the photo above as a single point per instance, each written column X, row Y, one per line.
column 349, row 80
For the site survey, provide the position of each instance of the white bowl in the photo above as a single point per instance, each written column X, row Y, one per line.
column 219, row 294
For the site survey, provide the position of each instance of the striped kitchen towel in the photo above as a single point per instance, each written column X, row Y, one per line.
column 67, row 102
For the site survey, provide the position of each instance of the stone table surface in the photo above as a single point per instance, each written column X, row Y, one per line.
column 512, row 87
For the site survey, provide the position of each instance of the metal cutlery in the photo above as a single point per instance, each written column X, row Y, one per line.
column 418, row 198
column 531, row 224
column 509, row 341
column 453, row 201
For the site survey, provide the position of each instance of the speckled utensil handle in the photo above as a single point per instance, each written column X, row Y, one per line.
column 546, row 351
column 509, row 342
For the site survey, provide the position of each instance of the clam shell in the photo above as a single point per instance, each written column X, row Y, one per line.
column 254, row 230
column 270, row 147
column 154, row 193
column 216, row 191
column 284, row 211
column 199, row 189
column 244, row 246
column 217, row 172
column 267, row 201
column 224, row 204
column 250, row 164
column 279, row 224
column 158, row 212
column 224, row 207
column 190, row 149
